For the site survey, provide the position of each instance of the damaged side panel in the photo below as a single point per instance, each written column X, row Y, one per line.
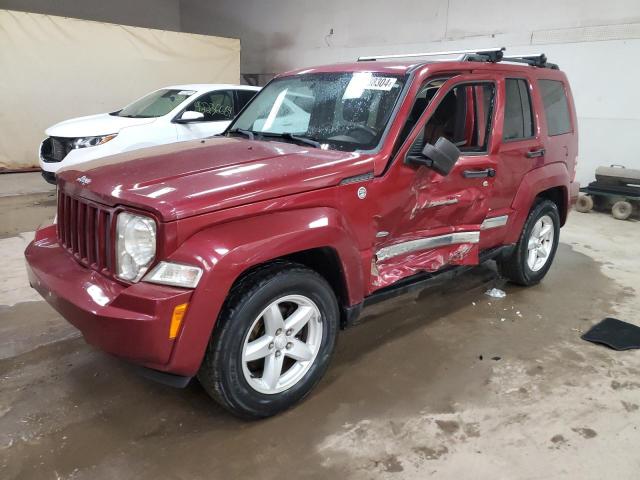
column 396, row 262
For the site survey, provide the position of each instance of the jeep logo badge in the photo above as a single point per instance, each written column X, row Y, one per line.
column 83, row 180
column 362, row 193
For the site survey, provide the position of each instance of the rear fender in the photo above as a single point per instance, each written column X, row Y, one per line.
column 533, row 183
column 226, row 251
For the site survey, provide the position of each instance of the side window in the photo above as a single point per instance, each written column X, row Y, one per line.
column 243, row 98
column 556, row 107
column 215, row 106
column 518, row 117
column 423, row 98
column 462, row 117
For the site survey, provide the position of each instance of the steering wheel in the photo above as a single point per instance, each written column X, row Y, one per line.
column 372, row 132
column 364, row 128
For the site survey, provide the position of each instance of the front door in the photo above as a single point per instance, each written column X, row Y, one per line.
column 426, row 221
column 218, row 110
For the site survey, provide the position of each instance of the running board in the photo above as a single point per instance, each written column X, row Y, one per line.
column 418, row 282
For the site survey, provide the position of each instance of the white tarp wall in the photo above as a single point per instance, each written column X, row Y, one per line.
column 55, row 68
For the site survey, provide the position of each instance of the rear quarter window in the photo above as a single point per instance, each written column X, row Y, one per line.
column 556, row 107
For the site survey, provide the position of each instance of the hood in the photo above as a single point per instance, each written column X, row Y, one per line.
column 94, row 125
column 190, row 178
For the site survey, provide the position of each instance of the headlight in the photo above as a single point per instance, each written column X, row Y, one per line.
column 174, row 274
column 135, row 245
column 84, row 142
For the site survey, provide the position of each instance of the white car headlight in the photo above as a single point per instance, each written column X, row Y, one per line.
column 135, row 245
column 84, row 142
column 174, row 274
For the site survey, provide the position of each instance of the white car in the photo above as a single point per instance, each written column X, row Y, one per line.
column 171, row 114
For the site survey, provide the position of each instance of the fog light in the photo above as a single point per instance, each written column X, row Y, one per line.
column 174, row 274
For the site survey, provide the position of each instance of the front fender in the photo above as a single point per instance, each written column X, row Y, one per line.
column 226, row 251
column 534, row 182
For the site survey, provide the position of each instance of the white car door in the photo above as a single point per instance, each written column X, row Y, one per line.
column 218, row 110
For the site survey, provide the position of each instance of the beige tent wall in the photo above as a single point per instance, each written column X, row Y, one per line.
column 55, row 68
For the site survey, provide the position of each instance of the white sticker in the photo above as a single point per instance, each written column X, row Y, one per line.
column 186, row 93
column 381, row 83
column 361, row 81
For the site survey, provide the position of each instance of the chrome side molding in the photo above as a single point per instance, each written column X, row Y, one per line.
column 494, row 222
column 427, row 243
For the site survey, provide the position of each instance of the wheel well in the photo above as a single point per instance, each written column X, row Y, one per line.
column 326, row 262
column 558, row 196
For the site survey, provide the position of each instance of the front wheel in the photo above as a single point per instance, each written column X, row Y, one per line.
column 536, row 248
column 273, row 342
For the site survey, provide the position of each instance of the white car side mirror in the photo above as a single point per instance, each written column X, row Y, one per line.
column 190, row 116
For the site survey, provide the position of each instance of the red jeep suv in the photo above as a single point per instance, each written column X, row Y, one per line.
column 239, row 257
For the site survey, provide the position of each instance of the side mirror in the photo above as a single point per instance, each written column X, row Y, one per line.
column 190, row 116
column 440, row 157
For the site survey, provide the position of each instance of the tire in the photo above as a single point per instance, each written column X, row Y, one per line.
column 621, row 210
column 517, row 267
column 244, row 386
column 584, row 204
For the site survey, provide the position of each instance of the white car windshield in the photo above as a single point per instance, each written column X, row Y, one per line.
column 343, row 111
column 156, row 104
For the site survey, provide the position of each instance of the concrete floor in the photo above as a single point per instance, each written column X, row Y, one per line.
column 446, row 383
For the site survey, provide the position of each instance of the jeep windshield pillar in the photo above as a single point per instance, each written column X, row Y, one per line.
column 238, row 258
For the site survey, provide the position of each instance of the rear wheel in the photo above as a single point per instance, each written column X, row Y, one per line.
column 621, row 210
column 273, row 341
column 536, row 248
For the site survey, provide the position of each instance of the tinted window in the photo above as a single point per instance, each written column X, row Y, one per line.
column 556, row 107
column 463, row 117
column 243, row 98
column 518, row 119
column 215, row 106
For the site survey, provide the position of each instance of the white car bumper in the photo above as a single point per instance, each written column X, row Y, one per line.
column 50, row 164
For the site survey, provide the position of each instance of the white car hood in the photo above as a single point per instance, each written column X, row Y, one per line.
column 94, row 125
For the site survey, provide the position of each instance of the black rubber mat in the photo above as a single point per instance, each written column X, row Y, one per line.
column 615, row 334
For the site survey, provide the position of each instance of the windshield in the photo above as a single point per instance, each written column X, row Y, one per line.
column 155, row 104
column 343, row 111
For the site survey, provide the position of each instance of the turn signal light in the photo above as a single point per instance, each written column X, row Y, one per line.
column 176, row 319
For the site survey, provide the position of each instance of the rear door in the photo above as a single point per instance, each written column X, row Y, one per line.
column 218, row 108
column 520, row 150
column 425, row 221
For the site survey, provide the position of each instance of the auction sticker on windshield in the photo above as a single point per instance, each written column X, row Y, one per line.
column 362, row 81
column 381, row 83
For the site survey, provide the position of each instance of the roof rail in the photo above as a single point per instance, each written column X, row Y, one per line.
column 492, row 55
column 484, row 54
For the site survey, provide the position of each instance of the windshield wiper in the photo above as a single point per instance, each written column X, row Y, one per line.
column 295, row 138
column 248, row 133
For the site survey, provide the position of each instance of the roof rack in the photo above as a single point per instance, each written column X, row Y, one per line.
column 486, row 54
column 536, row 60
column 492, row 55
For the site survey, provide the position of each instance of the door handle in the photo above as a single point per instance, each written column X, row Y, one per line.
column 535, row 153
column 487, row 172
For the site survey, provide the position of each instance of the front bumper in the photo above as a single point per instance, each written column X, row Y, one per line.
column 129, row 321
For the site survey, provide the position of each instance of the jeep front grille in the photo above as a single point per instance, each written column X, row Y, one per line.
column 85, row 230
column 54, row 149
